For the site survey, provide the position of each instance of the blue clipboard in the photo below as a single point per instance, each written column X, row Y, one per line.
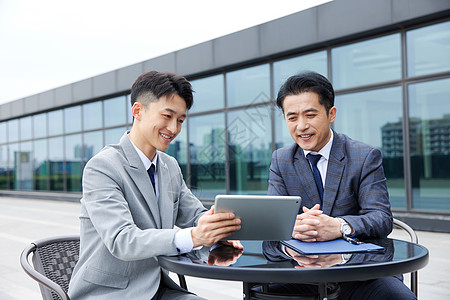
column 330, row 247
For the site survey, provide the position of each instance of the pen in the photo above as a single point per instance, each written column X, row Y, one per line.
column 353, row 241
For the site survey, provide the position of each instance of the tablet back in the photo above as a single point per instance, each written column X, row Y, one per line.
column 266, row 218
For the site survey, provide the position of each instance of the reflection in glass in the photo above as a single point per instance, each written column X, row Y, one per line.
column 248, row 86
column 13, row 130
column 207, row 155
column 56, row 163
column 3, row 167
column 25, row 128
column 130, row 116
column 40, row 125
column 11, row 171
column 209, row 93
column 92, row 115
column 178, row 149
column 3, row 133
column 429, row 113
column 72, row 119
column 375, row 118
column 367, row 62
column 284, row 69
column 73, row 155
column 250, row 150
column 428, row 49
column 282, row 136
column 115, row 111
column 24, row 166
column 93, row 143
column 40, row 165
column 113, row 136
column 55, row 122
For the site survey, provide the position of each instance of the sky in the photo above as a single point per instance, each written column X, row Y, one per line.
column 46, row 44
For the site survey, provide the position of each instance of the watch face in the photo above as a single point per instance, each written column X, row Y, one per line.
column 346, row 229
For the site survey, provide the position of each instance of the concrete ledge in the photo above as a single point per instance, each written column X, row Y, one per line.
column 425, row 222
column 71, row 197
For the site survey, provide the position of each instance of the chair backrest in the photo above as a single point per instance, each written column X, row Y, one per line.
column 415, row 240
column 54, row 260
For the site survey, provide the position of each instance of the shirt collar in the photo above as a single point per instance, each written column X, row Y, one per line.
column 145, row 160
column 325, row 151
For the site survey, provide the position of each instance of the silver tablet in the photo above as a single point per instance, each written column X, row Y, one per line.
column 266, row 218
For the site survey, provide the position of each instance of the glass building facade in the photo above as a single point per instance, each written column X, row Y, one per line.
column 392, row 92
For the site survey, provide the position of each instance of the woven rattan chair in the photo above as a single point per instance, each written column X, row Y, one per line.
column 413, row 236
column 53, row 262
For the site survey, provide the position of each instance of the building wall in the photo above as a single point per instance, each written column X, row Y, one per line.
column 389, row 64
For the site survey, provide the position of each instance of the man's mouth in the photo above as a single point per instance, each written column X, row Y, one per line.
column 167, row 137
column 305, row 136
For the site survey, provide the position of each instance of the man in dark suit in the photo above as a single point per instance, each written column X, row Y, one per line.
column 341, row 181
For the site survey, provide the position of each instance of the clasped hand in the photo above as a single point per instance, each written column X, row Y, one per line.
column 313, row 225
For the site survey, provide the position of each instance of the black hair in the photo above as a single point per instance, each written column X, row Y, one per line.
column 152, row 85
column 308, row 82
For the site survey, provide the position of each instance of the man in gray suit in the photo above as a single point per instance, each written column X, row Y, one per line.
column 133, row 195
column 341, row 181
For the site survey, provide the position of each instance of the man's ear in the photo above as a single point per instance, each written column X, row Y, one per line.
column 136, row 110
column 332, row 114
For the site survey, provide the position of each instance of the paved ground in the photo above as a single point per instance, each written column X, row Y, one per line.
column 26, row 220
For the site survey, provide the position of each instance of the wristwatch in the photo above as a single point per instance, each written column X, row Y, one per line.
column 345, row 227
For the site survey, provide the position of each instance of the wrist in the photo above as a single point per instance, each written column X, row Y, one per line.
column 344, row 227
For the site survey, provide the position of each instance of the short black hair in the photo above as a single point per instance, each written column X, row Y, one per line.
column 308, row 82
column 152, row 85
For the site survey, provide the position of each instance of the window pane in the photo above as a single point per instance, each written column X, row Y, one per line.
column 250, row 150
column 251, row 85
column 367, row 62
column 3, row 167
column 375, row 118
column 428, row 49
column 284, row 69
column 115, row 111
column 56, row 166
column 113, row 136
column 24, row 166
column 430, row 144
column 13, row 154
column 40, row 125
column 92, row 115
column 178, row 149
column 282, row 136
column 55, row 122
column 93, row 143
column 73, row 162
column 207, row 150
column 3, row 133
column 72, row 119
column 40, row 165
column 130, row 116
column 209, row 93
column 13, row 130
column 25, row 128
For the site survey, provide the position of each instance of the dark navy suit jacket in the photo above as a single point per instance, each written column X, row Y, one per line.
column 355, row 185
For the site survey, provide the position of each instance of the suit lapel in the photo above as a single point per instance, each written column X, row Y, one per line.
column 335, row 170
column 165, row 202
column 308, row 189
column 139, row 175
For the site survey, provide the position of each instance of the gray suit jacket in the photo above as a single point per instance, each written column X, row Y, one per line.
column 355, row 185
column 123, row 226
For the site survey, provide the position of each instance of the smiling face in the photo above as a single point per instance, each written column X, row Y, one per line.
column 307, row 120
column 156, row 125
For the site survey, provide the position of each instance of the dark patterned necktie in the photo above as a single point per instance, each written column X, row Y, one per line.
column 151, row 173
column 313, row 159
